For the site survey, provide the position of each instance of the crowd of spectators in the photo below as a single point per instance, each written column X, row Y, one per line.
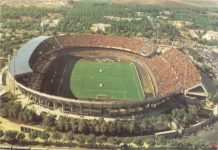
column 186, row 71
column 165, row 76
column 96, row 40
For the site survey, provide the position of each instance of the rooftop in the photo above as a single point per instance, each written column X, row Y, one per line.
column 21, row 59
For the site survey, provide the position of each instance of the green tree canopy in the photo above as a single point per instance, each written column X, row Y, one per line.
column 56, row 136
column 49, row 120
column 11, row 135
column 80, row 138
column 44, row 135
column 33, row 135
column 21, row 136
column 69, row 136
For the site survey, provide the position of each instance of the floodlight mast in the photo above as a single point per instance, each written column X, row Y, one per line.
column 42, row 28
column 185, row 73
column 14, row 56
column 158, row 28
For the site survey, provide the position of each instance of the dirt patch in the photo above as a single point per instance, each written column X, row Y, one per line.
column 99, row 27
column 38, row 3
column 173, row 3
column 58, row 3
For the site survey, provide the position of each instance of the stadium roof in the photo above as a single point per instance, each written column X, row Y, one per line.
column 21, row 60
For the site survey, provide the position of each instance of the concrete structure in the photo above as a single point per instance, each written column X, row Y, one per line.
column 171, row 73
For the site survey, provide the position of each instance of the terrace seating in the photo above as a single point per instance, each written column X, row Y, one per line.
column 166, row 77
column 134, row 45
column 186, row 71
column 40, row 67
column 172, row 71
column 45, row 47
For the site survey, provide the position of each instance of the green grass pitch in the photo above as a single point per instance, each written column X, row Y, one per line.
column 110, row 80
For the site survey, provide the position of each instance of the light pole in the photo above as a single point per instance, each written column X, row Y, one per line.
column 185, row 72
column 42, row 28
column 14, row 56
column 157, row 33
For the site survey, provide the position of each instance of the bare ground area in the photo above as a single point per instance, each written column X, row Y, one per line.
column 57, row 3
column 6, row 124
column 38, row 3
column 179, row 3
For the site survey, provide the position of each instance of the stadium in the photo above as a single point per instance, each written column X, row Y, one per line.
column 98, row 75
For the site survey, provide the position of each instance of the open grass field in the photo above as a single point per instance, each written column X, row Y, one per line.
column 106, row 80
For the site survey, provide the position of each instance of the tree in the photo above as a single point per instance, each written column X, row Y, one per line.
column 1, row 133
column 104, row 128
column 33, row 135
column 128, row 140
column 97, row 128
column 160, row 140
column 118, row 126
column 143, row 124
column 138, row 141
column 215, row 96
column 179, row 114
column 111, row 128
column 44, row 135
column 27, row 115
column 162, row 118
column 56, row 136
column 91, row 128
column 80, row 139
column 11, row 135
column 147, row 124
column 60, row 123
column 132, row 126
column 74, row 125
column 101, row 139
column 67, row 125
column 69, row 136
column 11, row 109
column 82, row 126
column 192, row 110
column 15, row 109
column 20, row 136
column 90, row 139
column 4, row 111
column 114, row 140
column 54, row 32
column 150, row 141
column 49, row 120
column 200, row 145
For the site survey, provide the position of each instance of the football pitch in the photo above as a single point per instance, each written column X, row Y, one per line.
column 105, row 80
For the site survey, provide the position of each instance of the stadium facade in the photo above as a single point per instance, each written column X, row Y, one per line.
column 171, row 73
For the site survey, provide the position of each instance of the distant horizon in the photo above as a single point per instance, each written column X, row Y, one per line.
column 169, row 3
